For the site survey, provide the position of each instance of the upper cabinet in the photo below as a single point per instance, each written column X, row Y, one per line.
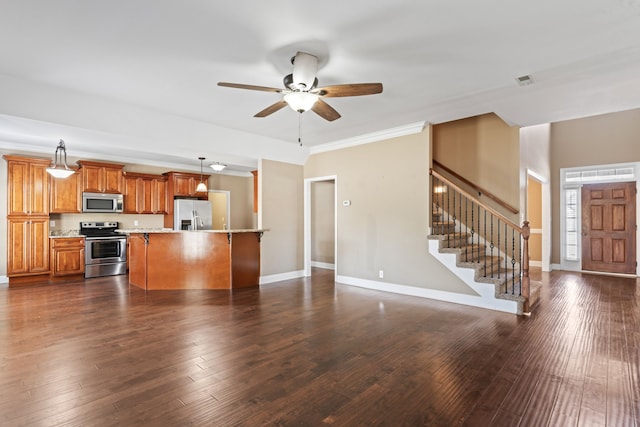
column 28, row 183
column 183, row 184
column 144, row 193
column 100, row 177
column 66, row 194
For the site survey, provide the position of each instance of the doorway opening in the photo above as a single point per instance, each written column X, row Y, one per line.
column 320, row 224
column 220, row 209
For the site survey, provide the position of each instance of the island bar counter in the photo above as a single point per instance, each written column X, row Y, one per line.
column 226, row 259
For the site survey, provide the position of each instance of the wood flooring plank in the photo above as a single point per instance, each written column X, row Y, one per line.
column 312, row 352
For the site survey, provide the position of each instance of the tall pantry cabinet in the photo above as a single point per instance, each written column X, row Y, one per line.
column 27, row 218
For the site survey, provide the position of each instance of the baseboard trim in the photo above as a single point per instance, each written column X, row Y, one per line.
column 434, row 294
column 264, row 280
column 535, row 263
column 4, row 279
column 325, row 265
column 556, row 267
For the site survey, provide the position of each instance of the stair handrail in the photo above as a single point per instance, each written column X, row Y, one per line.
column 524, row 231
column 476, row 187
column 475, row 199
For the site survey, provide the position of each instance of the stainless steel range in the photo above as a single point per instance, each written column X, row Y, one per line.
column 105, row 249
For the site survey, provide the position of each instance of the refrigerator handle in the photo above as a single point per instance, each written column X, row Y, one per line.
column 196, row 220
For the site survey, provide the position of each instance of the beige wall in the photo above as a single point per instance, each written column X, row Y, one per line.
column 534, row 205
column 386, row 225
column 534, row 215
column 599, row 140
column 484, row 150
column 323, row 221
column 282, row 187
column 240, row 190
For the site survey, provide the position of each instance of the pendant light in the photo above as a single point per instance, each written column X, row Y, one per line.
column 202, row 187
column 59, row 168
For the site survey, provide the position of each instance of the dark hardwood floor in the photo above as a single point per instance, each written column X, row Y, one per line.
column 310, row 352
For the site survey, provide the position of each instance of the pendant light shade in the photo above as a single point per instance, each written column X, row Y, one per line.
column 301, row 101
column 202, row 187
column 59, row 168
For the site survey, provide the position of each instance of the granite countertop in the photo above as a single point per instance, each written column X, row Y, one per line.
column 170, row 230
column 57, row 234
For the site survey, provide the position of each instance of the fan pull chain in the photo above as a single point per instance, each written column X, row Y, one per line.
column 300, row 129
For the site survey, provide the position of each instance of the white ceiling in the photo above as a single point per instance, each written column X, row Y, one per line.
column 136, row 80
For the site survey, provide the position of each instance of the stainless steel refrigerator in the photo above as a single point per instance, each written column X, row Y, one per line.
column 189, row 214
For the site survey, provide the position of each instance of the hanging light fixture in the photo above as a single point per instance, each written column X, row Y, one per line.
column 59, row 168
column 217, row 166
column 202, row 187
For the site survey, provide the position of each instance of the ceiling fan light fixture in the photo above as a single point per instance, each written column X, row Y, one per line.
column 301, row 101
column 59, row 167
column 217, row 166
column 305, row 67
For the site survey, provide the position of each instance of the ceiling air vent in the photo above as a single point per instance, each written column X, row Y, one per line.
column 524, row 80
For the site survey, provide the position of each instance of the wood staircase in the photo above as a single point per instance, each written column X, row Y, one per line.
column 497, row 271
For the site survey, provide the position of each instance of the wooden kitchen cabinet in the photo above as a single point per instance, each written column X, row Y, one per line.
column 144, row 193
column 130, row 196
column 184, row 184
column 28, row 182
column 28, row 249
column 181, row 184
column 98, row 177
column 27, row 219
column 66, row 194
column 159, row 196
column 67, row 256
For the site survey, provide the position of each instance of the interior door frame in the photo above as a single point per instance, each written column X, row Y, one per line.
column 571, row 265
column 307, row 222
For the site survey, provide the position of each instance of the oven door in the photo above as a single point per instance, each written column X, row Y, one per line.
column 105, row 250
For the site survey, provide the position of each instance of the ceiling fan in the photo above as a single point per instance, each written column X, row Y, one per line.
column 301, row 91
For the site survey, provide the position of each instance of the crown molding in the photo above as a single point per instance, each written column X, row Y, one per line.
column 369, row 138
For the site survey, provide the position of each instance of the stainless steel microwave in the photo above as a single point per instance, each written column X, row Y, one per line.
column 102, row 202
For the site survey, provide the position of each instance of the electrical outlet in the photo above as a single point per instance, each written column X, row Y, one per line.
column 381, row 274
column 135, row 223
column 52, row 223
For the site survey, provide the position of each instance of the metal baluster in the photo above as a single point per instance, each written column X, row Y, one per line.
column 491, row 245
column 485, row 240
column 473, row 231
column 454, row 210
column 513, row 260
column 506, row 272
column 478, row 235
column 499, row 264
column 466, row 228
column 520, row 258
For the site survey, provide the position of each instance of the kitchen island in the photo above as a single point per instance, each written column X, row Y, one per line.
column 205, row 259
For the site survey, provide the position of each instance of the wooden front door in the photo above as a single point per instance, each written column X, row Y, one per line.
column 609, row 227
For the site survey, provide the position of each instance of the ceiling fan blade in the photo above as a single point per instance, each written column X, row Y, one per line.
column 250, row 87
column 325, row 110
column 271, row 109
column 354, row 89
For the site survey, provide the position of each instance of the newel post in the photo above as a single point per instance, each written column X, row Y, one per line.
column 525, row 262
